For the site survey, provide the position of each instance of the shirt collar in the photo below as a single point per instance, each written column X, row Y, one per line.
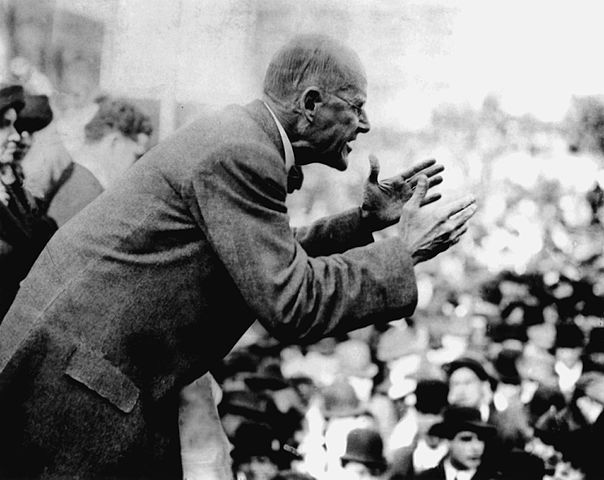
column 287, row 146
column 451, row 473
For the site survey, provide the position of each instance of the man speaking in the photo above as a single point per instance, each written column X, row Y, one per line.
column 155, row 281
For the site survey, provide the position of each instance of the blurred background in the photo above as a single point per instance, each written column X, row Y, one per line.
column 506, row 95
column 509, row 96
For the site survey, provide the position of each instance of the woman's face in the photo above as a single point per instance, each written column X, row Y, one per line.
column 9, row 137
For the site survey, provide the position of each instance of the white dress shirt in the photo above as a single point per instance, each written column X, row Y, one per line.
column 287, row 145
column 451, row 473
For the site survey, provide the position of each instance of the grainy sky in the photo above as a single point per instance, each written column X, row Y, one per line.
column 533, row 54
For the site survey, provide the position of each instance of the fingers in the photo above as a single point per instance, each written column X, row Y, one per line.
column 431, row 198
column 374, row 169
column 460, row 205
column 420, row 192
column 415, row 169
column 458, row 223
column 429, row 172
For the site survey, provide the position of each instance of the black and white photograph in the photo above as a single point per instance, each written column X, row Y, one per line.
column 301, row 240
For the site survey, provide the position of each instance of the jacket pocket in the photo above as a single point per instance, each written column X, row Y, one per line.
column 100, row 376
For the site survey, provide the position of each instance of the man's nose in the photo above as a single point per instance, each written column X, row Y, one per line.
column 364, row 125
column 477, row 446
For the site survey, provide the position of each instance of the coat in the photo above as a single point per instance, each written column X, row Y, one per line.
column 152, row 283
column 438, row 473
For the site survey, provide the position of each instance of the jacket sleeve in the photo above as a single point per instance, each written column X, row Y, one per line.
column 334, row 234
column 240, row 204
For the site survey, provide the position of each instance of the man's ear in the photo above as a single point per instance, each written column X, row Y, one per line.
column 310, row 99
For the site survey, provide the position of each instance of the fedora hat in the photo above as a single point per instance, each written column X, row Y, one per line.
column 364, row 445
column 459, row 419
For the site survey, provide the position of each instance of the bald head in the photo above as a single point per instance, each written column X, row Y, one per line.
column 312, row 60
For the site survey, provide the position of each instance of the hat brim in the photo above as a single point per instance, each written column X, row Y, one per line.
column 449, row 430
column 370, row 462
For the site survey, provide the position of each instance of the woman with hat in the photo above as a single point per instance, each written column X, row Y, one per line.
column 24, row 230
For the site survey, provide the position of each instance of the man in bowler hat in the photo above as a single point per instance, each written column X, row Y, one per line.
column 364, row 457
column 466, row 435
column 166, row 270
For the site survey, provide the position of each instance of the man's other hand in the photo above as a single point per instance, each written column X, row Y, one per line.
column 384, row 200
column 425, row 233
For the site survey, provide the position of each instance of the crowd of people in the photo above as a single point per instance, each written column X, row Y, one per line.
column 518, row 393
column 522, row 400
column 42, row 185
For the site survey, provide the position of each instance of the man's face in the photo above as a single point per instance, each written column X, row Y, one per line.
column 568, row 356
column 360, row 471
column 9, row 137
column 338, row 118
column 259, row 468
column 465, row 388
column 465, row 450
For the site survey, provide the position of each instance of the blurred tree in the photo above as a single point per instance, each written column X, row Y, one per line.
column 585, row 125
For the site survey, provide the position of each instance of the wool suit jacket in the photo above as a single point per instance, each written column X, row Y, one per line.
column 154, row 281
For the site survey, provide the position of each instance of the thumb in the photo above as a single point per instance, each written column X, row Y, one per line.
column 420, row 191
column 374, row 169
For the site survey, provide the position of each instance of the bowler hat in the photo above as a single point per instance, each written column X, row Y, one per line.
column 11, row 96
column 472, row 364
column 364, row 445
column 36, row 114
column 459, row 419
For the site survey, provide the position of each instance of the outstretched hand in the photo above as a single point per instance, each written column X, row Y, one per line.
column 426, row 234
column 384, row 200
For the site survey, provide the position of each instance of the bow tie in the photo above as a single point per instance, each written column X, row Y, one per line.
column 294, row 178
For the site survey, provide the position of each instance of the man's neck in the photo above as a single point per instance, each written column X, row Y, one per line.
column 285, row 118
column 454, row 471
